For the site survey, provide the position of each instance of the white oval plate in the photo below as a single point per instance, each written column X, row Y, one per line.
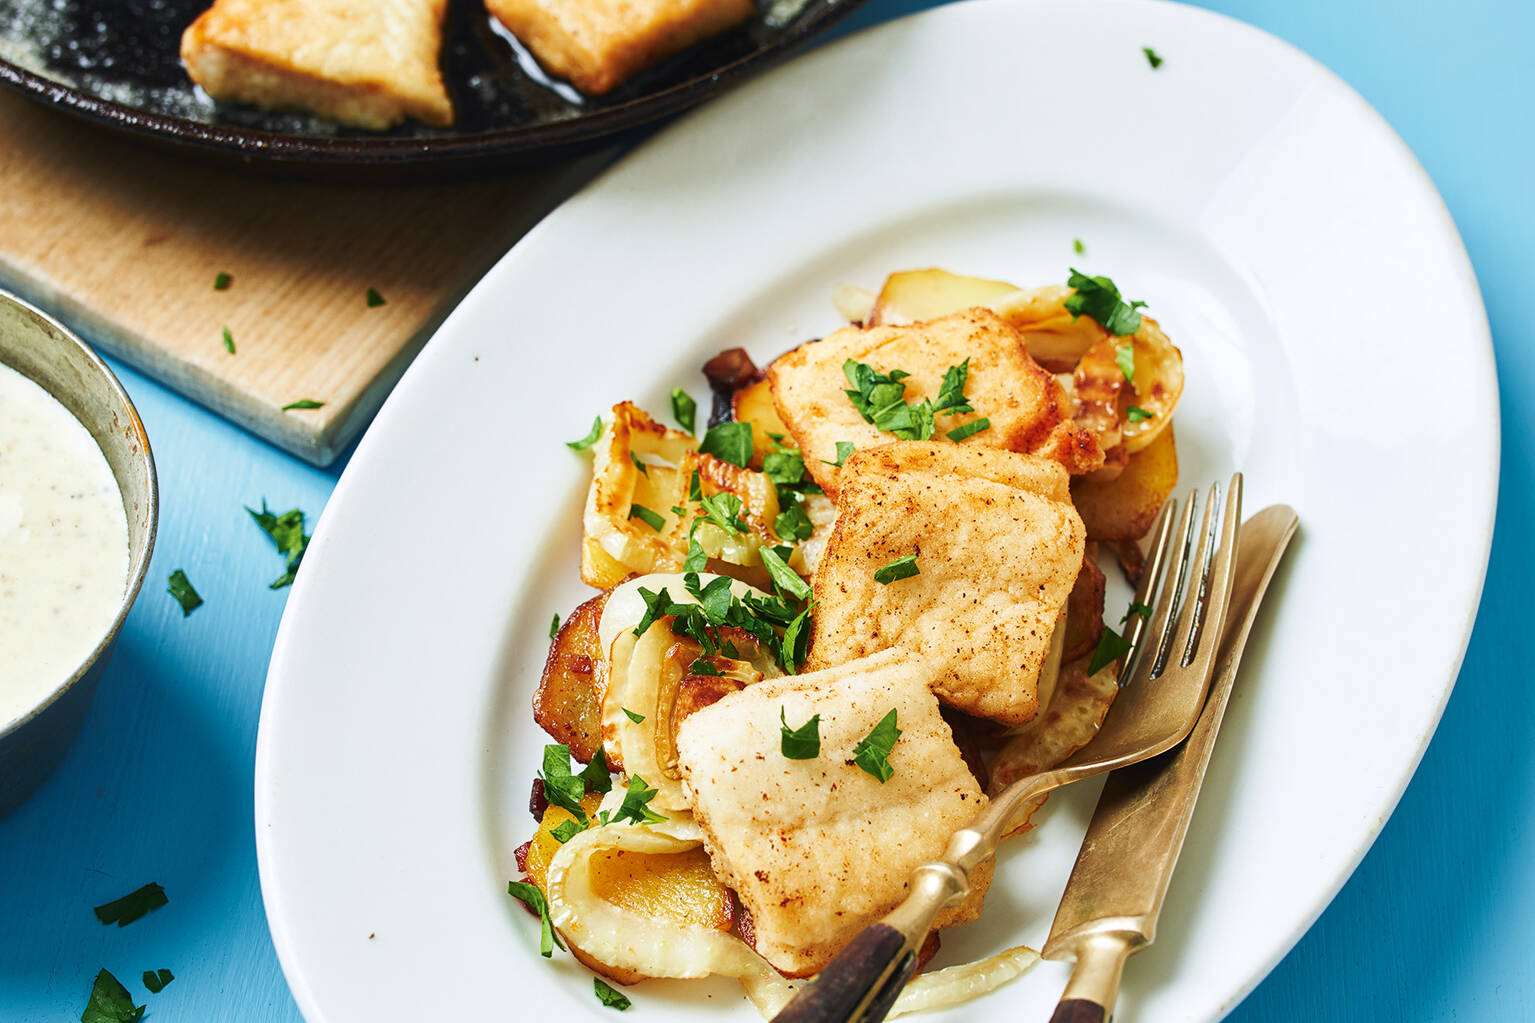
column 1338, row 354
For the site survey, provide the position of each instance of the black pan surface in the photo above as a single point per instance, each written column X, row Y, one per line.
column 117, row 62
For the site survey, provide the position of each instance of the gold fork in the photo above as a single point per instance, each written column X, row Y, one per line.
column 1176, row 647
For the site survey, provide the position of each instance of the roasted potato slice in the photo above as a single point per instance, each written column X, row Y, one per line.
column 1084, row 608
column 754, row 404
column 568, row 701
column 1054, row 339
column 1104, row 397
column 1125, row 507
column 910, row 296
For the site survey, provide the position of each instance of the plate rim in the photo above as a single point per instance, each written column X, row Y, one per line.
column 1483, row 356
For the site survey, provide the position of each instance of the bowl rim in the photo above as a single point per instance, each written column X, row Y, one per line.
column 138, row 566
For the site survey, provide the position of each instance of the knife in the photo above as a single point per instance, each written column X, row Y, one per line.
column 1115, row 892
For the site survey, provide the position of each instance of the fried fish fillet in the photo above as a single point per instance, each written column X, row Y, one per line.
column 597, row 44
column 1028, row 408
column 817, row 849
column 366, row 63
column 998, row 548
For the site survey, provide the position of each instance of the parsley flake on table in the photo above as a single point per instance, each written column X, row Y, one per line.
column 561, row 788
column 873, row 753
column 901, row 568
column 638, row 719
column 374, row 299
column 110, row 1002
column 287, row 532
column 970, row 429
column 303, row 404
column 802, row 743
column 1135, row 413
column 609, row 997
column 636, row 804
column 1152, row 57
column 554, row 626
column 684, row 409
column 221, row 281
column 155, row 980
column 1077, row 246
column 729, row 442
column 181, row 588
column 132, row 906
column 1099, row 298
column 589, row 439
column 651, row 518
column 1111, row 647
column 530, row 895
column 229, row 341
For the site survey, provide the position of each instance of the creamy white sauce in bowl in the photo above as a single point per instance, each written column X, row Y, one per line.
column 64, row 549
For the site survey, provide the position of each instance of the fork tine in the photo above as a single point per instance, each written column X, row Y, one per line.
column 1158, row 630
column 1209, row 616
column 1151, row 579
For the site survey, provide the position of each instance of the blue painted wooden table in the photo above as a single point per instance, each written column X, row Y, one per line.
column 1436, row 924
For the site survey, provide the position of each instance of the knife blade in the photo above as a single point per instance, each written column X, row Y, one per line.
column 1115, row 892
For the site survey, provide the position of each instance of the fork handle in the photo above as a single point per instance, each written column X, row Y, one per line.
column 1094, row 985
column 861, row 983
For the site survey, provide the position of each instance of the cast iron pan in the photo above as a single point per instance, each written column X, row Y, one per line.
column 117, row 62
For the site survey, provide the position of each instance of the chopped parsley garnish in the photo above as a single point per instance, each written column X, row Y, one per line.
column 714, row 599
column 596, row 774
column 531, row 897
column 1077, row 246
column 132, row 906
column 566, row 830
column 636, row 804
column 785, row 578
column 724, row 510
column 873, row 753
column 652, row 519
column 589, row 439
column 802, row 743
column 697, row 560
column 287, row 532
column 554, row 626
column 561, row 788
column 229, row 342
column 729, row 442
column 155, row 980
column 1151, row 57
column 703, row 666
column 1136, row 414
column 784, row 468
column 110, row 1002
column 796, row 639
column 374, row 299
column 1136, row 608
column 844, row 448
column 1124, row 358
column 1111, row 647
column 609, row 997
column 970, row 429
column 641, row 466
column 631, row 715
column 793, row 524
column 881, row 399
column 181, row 588
column 901, row 568
column 303, row 403
column 1098, row 298
column 684, row 409
column 718, row 607
column 221, row 281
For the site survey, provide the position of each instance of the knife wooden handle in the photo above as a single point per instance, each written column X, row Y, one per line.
column 1078, row 1010
column 860, row 984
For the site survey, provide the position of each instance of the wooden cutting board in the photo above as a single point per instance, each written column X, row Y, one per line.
column 125, row 242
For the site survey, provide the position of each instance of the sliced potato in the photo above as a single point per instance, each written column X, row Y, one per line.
column 911, row 296
column 1055, row 339
column 545, row 845
column 568, row 702
column 753, row 404
column 1125, row 507
column 1084, row 608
